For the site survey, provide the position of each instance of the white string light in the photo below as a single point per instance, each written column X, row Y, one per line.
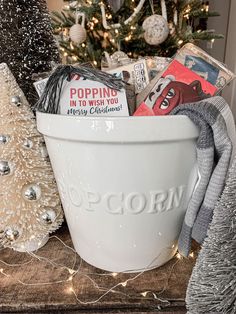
column 73, row 272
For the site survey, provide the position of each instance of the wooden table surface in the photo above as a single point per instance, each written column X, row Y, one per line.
column 30, row 284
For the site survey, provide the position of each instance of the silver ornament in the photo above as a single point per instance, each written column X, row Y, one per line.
column 15, row 100
column 4, row 139
column 48, row 217
column 4, row 168
column 28, row 144
column 156, row 29
column 31, row 192
column 11, row 234
column 115, row 4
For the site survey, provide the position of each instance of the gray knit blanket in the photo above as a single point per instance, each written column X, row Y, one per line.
column 215, row 148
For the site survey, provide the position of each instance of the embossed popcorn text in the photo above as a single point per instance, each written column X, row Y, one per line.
column 119, row 203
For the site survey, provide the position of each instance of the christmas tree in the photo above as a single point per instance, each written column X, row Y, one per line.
column 26, row 42
column 30, row 206
column 88, row 28
column 212, row 287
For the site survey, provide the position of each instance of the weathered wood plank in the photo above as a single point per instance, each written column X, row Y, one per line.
column 166, row 285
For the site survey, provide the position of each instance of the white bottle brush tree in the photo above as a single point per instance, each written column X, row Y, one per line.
column 30, row 206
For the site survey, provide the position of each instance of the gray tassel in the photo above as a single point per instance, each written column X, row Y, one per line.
column 50, row 99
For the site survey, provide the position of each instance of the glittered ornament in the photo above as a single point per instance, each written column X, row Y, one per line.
column 4, row 168
column 48, row 217
column 77, row 32
column 11, row 234
column 15, row 100
column 156, row 29
column 4, row 139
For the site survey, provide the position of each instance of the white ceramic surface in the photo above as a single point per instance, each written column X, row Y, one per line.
column 124, row 185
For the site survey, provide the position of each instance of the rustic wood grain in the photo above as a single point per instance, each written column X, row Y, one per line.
column 167, row 284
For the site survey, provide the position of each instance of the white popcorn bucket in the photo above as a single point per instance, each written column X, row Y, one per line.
column 124, row 184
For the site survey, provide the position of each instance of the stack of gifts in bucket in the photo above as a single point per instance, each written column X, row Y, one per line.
column 148, row 86
column 162, row 173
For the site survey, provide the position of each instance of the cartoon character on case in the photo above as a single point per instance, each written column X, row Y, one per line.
column 170, row 93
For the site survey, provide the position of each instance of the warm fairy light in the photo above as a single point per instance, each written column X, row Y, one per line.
column 62, row 49
column 71, row 46
column 81, row 272
column 95, row 20
column 114, row 274
column 66, row 7
column 179, row 256
column 65, row 54
column 116, row 31
column 132, row 27
column 112, row 40
column 127, row 38
column 95, row 62
column 180, row 41
column 83, row 45
column 199, row 31
column 191, row 254
column 187, row 11
column 74, row 58
column 71, row 271
column 105, row 34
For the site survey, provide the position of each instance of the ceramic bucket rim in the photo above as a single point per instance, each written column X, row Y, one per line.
column 138, row 129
